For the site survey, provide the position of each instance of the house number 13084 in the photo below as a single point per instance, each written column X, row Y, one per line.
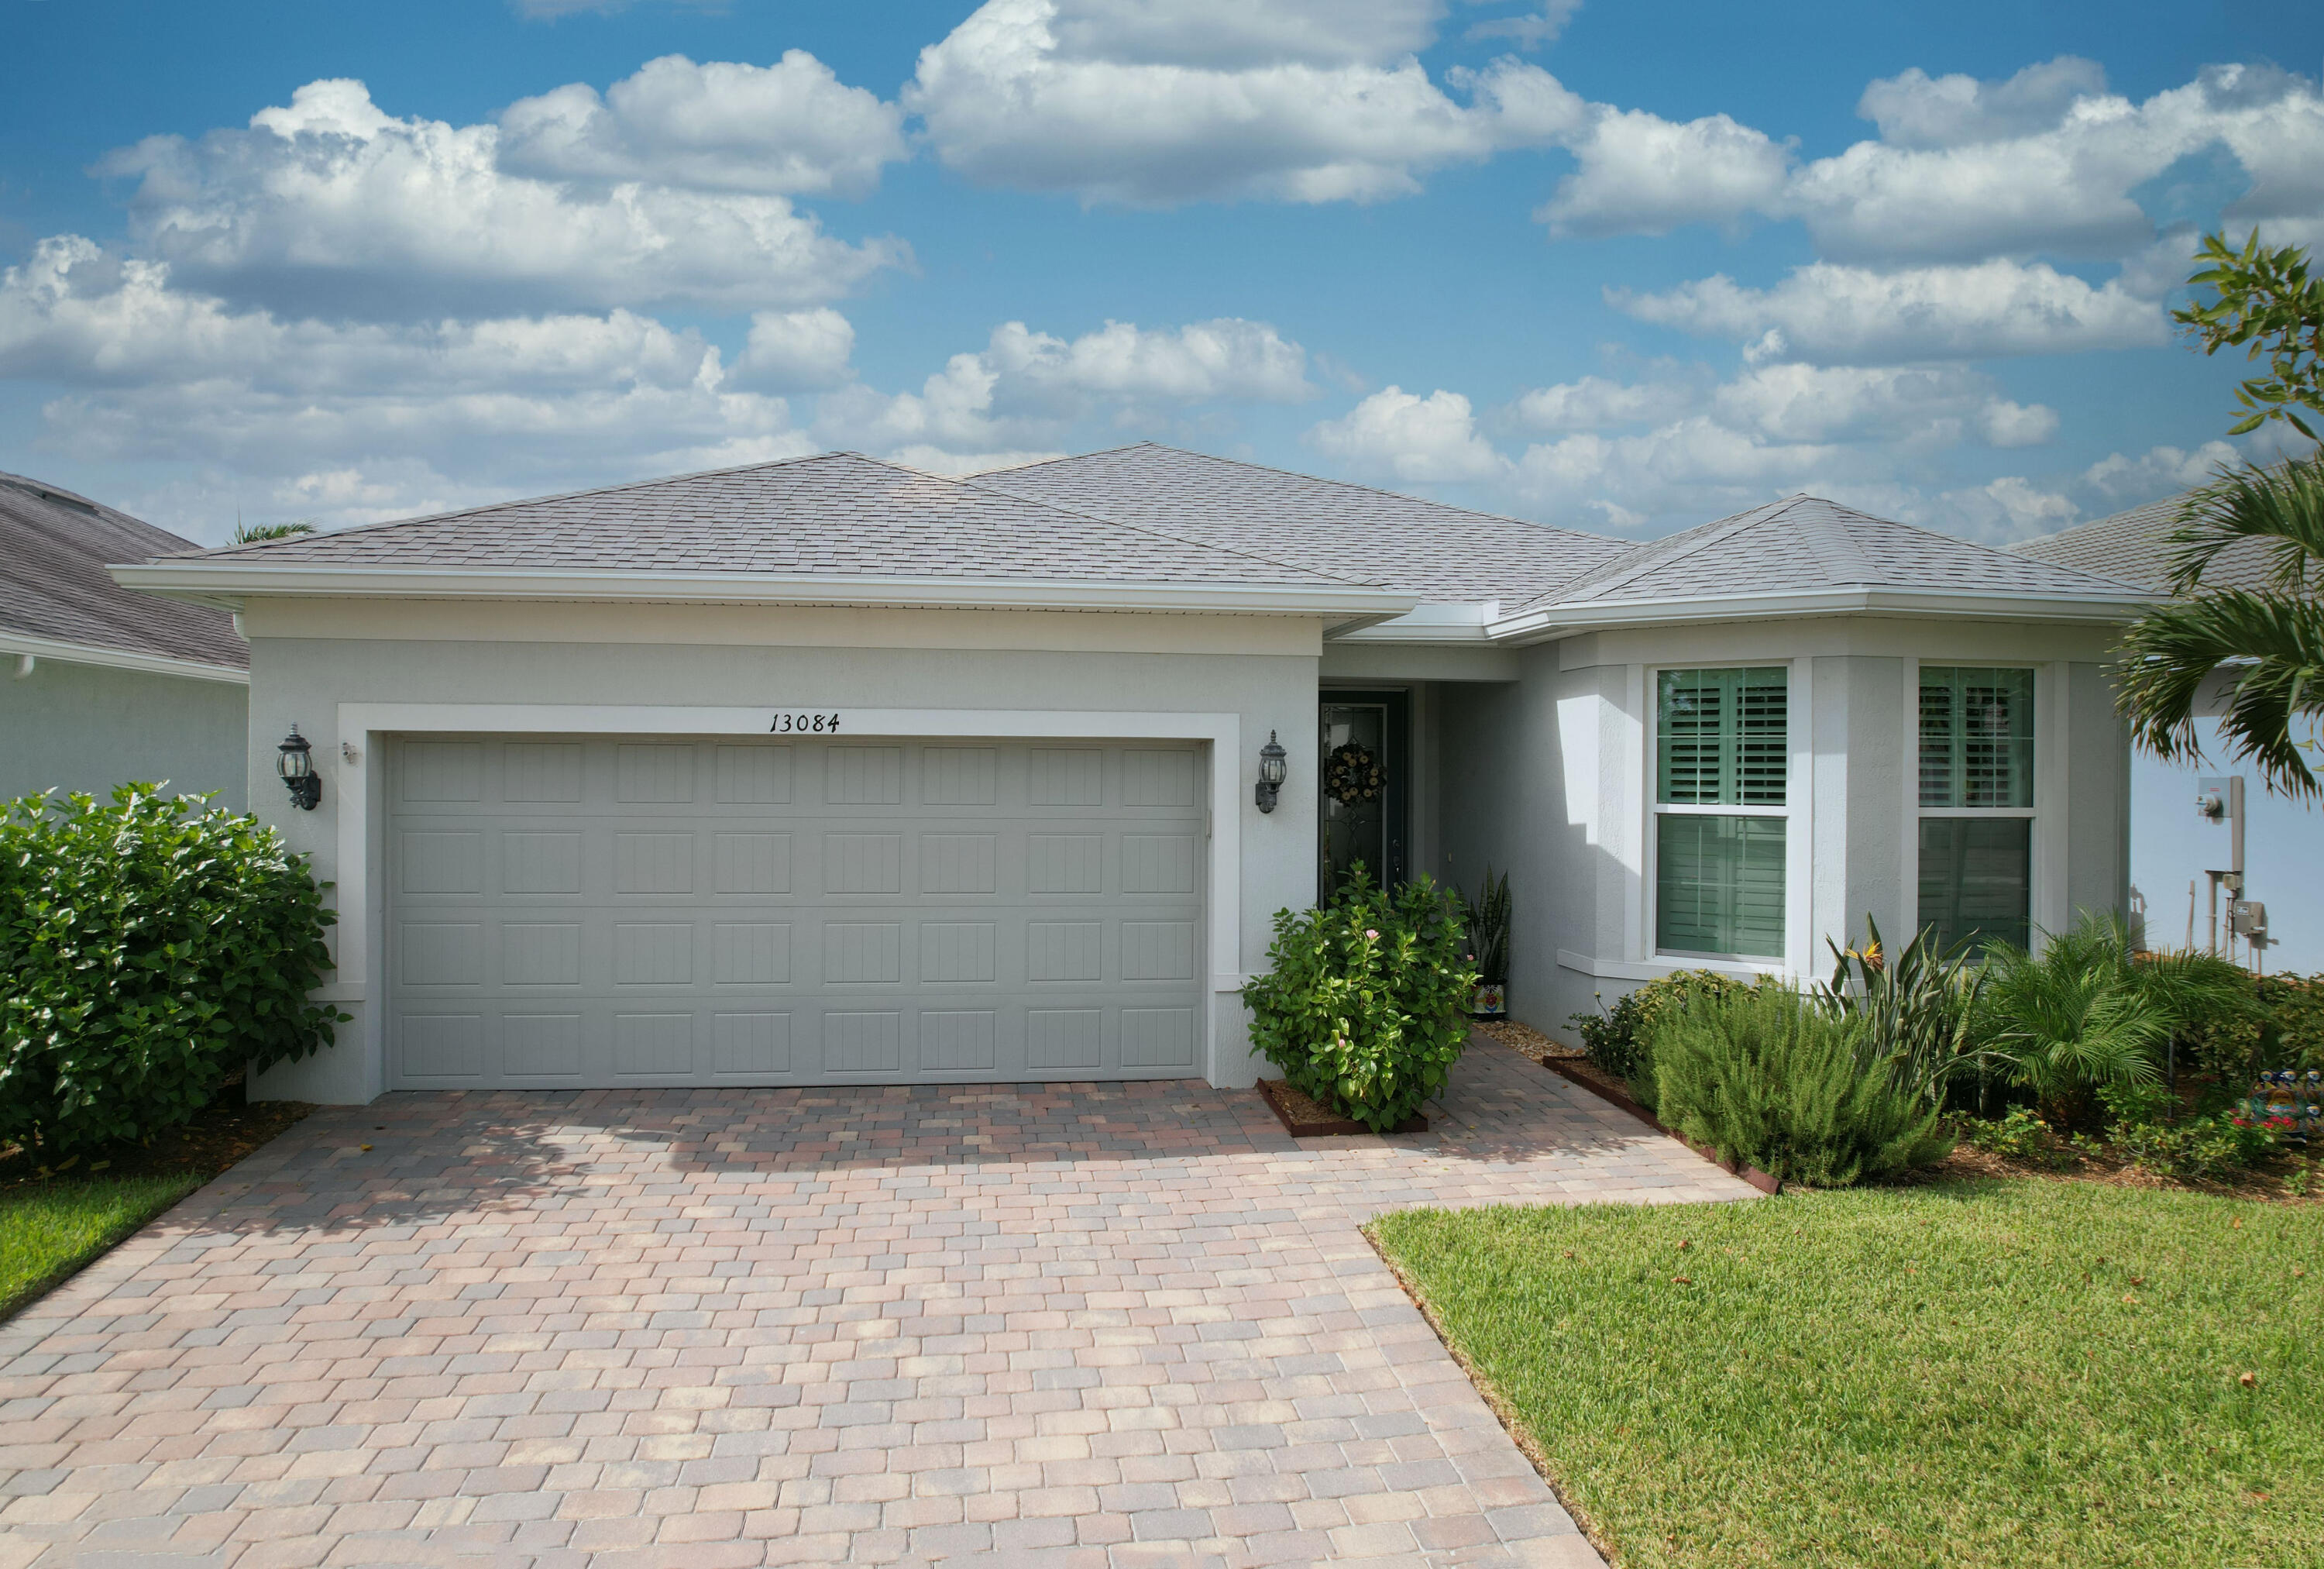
column 805, row 724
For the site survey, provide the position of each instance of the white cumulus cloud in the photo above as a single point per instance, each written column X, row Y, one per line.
column 2045, row 162
column 1022, row 391
column 1138, row 102
column 332, row 205
column 351, row 422
column 1835, row 313
column 798, row 350
column 788, row 129
column 1640, row 174
column 1413, row 440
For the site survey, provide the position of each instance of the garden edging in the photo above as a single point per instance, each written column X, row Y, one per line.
column 1750, row 1174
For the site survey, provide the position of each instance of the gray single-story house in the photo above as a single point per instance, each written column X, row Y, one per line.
column 104, row 686
column 2174, row 848
column 833, row 771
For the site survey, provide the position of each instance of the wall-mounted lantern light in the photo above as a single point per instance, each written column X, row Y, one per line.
column 1273, row 764
column 297, row 767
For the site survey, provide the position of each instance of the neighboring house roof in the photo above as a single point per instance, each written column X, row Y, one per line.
column 2137, row 547
column 58, row 602
column 1445, row 554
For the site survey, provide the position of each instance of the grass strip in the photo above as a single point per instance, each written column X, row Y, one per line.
column 49, row 1230
column 1968, row 1374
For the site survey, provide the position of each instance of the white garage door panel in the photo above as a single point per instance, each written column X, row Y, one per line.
column 594, row 912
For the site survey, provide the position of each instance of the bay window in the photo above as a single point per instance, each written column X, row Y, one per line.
column 1976, row 804
column 1723, row 744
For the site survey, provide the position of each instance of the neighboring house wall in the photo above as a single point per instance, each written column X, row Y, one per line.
column 309, row 656
column 1552, row 775
column 2283, row 850
column 89, row 727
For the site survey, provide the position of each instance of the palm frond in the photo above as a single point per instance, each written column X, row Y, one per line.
column 2273, row 643
column 2283, row 503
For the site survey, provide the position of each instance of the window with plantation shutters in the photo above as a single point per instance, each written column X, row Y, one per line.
column 1722, row 754
column 1976, row 737
column 1724, row 736
column 1975, row 838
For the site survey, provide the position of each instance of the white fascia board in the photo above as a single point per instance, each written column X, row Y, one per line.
column 229, row 584
column 1557, row 621
column 113, row 659
column 1430, row 623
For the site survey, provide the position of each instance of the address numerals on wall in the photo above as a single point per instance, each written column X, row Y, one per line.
column 805, row 724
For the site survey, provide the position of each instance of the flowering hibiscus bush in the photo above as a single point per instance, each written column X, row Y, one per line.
column 1365, row 1004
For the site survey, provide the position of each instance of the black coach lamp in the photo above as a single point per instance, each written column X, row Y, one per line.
column 1273, row 764
column 297, row 767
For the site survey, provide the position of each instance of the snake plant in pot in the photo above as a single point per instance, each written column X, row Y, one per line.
column 1487, row 918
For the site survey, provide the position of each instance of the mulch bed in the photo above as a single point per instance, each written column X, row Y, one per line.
column 1303, row 1118
column 219, row 1135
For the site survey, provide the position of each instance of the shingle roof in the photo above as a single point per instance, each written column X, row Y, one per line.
column 2136, row 545
column 55, row 545
column 1803, row 543
column 1443, row 553
column 840, row 514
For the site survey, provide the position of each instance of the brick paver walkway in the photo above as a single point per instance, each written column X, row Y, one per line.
column 1102, row 1325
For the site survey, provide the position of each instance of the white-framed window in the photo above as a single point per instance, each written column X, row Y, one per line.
column 1721, row 814
column 1974, row 800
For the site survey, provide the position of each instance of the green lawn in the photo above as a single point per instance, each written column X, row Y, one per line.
column 1988, row 1374
column 49, row 1229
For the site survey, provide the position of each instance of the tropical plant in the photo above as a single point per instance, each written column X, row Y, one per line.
column 1364, row 1006
column 1488, row 919
column 151, row 949
column 1770, row 1079
column 1915, row 1005
column 2088, row 1012
column 256, row 533
column 2270, row 641
column 2263, row 297
column 1615, row 1038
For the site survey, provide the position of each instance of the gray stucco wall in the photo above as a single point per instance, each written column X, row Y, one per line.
column 1501, row 802
column 1558, row 797
column 89, row 727
column 305, row 679
column 2098, row 784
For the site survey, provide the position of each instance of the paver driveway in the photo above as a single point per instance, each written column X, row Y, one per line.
column 1064, row 1323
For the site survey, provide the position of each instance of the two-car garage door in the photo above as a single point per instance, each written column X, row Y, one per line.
column 596, row 911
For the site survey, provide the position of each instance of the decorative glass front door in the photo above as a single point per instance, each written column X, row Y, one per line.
column 1362, row 787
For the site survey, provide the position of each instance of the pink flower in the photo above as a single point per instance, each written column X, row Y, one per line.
column 1370, row 935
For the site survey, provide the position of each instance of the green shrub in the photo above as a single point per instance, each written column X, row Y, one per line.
column 2138, row 1106
column 1614, row 1039
column 1365, row 1006
column 2017, row 1134
column 2283, row 1029
column 2199, row 1147
column 149, row 950
column 1768, row 1079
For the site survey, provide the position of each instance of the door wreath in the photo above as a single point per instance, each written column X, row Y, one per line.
column 1351, row 775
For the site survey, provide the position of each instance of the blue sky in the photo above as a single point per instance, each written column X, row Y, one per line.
column 1621, row 267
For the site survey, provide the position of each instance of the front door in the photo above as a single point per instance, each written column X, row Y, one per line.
column 1365, row 758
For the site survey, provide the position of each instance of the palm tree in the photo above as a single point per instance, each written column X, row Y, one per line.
column 2269, row 642
column 252, row 533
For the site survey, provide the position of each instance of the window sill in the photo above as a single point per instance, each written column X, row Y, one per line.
column 1655, row 969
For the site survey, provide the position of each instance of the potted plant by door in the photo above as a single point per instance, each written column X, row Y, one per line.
column 1488, row 919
